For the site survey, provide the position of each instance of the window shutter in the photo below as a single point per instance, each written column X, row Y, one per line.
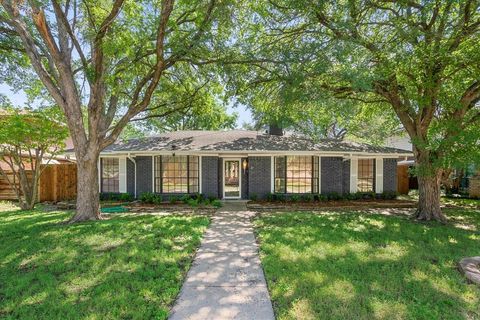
column 122, row 175
column 379, row 175
column 353, row 174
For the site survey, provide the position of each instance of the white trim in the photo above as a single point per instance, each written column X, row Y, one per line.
column 135, row 175
column 239, row 177
column 319, row 159
column 272, row 174
column 353, row 174
column 122, row 174
column 153, row 173
column 99, row 169
column 379, row 175
column 249, row 153
column 199, row 174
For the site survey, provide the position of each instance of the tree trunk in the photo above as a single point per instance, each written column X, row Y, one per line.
column 429, row 198
column 88, row 199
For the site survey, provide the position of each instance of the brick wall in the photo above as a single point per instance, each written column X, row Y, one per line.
column 390, row 175
column 259, row 179
column 332, row 171
column 130, row 177
column 144, row 174
column 210, row 176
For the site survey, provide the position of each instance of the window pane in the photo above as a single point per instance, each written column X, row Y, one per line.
column 176, row 174
column 279, row 175
column 366, row 175
column 110, row 175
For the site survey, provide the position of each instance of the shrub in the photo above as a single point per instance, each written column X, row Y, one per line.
column 334, row 196
column 308, row 197
column 211, row 198
column 114, row 196
column 322, row 197
column 253, row 197
column 150, row 197
column 173, row 199
column 185, row 198
column 270, row 196
column 217, row 203
column 279, row 197
column 388, row 195
column 126, row 197
column 294, row 198
column 193, row 202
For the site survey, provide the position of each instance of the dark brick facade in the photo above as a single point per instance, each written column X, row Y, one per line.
column 210, row 176
column 259, row 179
column 335, row 175
column 130, row 177
column 144, row 174
column 390, row 174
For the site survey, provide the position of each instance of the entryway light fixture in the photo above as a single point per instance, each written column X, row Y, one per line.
column 244, row 165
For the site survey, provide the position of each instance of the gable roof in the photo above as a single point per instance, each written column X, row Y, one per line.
column 241, row 140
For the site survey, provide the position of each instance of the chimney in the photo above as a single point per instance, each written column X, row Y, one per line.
column 275, row 130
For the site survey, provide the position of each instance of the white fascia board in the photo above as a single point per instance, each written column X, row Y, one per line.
column 256, row 153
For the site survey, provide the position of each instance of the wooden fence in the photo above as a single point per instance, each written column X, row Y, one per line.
column 58, row 182
column 403, row 179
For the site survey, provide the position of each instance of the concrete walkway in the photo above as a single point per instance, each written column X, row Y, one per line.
column 226, row 280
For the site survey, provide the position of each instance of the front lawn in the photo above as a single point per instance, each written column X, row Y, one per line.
column 361, row 266
column 126, row 267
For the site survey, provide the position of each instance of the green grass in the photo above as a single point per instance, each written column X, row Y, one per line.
column 127, row 267
column 360, row 266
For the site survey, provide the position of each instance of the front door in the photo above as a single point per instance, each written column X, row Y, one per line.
column 231, row 179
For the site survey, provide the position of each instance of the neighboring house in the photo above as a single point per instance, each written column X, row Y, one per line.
column 239, row 164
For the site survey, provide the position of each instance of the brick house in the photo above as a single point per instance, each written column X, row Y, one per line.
column 240, row 164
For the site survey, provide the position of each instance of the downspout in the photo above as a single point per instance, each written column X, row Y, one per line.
column 135, row 173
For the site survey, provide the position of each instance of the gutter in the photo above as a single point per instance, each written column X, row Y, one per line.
column 135, row 173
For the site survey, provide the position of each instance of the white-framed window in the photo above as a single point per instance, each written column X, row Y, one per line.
column 366, row 175
column 296, row 174
column 176, row 174
column 110, row 177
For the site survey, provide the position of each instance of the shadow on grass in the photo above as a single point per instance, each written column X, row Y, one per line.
column 124, row 267
column 366, row 266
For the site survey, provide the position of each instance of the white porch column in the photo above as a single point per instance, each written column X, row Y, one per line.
column 379, row 175
column 353, row 174
column 122, row 174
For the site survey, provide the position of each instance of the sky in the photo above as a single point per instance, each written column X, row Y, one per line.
column 19, row 99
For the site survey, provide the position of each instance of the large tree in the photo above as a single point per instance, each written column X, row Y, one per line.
column 418, row 58
column 105, row 62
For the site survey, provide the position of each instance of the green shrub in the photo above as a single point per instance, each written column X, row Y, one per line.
column 217, row 203
column 270, row 196
column 193, row 202
column 150, row 197
column 173, row 199
column 115, row 196
column 294, row 198
column 185, row 198
column 334, row 196
column 308, row 197
column 322, row 197
column 388, row 195
column 211, row 198
column 157, row 199
column 126, row 197
column 279, row 197
column 253, row 197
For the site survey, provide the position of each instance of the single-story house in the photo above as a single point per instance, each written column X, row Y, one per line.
column 240, row 164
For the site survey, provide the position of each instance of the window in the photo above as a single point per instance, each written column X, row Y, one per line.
column 366, row 175
column 296, row 174
column 176, row 174
column 110, row 174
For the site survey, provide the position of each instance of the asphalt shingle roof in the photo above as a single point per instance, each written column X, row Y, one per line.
column 240, row 140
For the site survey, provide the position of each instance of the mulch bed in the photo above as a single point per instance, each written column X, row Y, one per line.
column 340, row 204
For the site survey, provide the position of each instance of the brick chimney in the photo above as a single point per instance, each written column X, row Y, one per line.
column 275, row 130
